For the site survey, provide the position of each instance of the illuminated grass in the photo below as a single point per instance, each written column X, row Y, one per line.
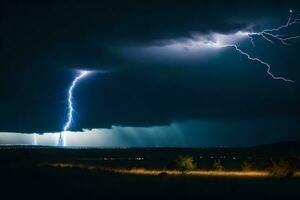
column 147, row 172
column 194, row 172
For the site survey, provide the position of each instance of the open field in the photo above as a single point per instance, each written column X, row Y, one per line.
column 167, row 172
column 53, row 173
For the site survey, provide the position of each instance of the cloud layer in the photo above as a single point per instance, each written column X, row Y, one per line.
column 200, row 133
column 42, row 46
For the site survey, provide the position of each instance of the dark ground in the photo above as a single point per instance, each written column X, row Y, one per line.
column 22, row 176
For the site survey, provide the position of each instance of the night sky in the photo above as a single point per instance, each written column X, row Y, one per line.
column 142, row 91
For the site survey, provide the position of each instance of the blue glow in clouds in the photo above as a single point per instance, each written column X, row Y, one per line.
column 61, row 140
column 202, row 44
column 268, row 34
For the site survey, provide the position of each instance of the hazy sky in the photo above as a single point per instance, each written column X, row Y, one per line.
column 152, row 72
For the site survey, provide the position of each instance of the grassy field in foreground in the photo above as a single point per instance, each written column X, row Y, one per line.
column 43, row 173
column 90, row 182
column 156, row 172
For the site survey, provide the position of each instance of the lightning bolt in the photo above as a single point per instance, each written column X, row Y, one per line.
column 82, row 74
column 270, row 32
column 34, row 139
column 70, row 99
column 260, row 61
column 269, row 35
column 214, row 40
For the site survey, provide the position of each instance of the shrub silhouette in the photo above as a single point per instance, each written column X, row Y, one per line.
column 281, row 168
column 163, row 174
column 218, row 165
column 248, row 165
column 185, row 163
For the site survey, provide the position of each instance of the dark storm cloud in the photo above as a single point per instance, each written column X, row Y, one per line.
column 42, row 42
column 192, row 133
column 64, row 34
column 83, row 31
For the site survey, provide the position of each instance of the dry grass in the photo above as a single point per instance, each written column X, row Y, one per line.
column 147, row 172
column 194, row 173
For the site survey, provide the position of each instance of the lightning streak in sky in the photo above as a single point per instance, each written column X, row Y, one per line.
column 70, row 99
column 217, row 40
column 260, row 61
column 70, row 106
column 269, row 35
column 34, row 139
column 270, row 32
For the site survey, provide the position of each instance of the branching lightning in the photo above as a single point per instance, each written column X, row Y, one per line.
column 218, row 40
column 68, row 123
column 269, row 35
column 270, row 32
